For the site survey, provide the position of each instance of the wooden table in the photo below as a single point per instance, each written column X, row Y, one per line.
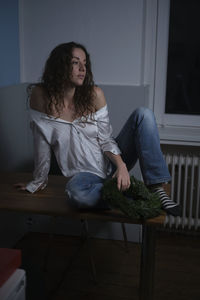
column 52, row 202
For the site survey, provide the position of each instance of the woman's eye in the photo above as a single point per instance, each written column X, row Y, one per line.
column 75, row 62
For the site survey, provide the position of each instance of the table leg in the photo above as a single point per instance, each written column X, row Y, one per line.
column 147, row 262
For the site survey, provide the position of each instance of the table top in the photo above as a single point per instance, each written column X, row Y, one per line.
column 53, row 201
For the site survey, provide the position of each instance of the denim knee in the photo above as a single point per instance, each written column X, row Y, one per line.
column 143, row 112
column 145, row 115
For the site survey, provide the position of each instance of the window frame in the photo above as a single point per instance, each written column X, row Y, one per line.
column 174, row 128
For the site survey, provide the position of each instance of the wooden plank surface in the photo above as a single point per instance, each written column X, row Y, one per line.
column 53, row 201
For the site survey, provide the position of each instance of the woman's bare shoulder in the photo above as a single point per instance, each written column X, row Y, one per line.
column 99, row 100
column 37, row 99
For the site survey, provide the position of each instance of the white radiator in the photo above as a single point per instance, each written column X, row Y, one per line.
column 185, row 189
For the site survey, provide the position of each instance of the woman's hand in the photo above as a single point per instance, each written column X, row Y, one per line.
column 123, row 177
column 121, row 173
column 20, row 186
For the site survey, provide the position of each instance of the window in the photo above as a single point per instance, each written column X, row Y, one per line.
column 183, row 68
column 176, row 80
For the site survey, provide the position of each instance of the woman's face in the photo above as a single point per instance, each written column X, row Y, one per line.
column 78, row 67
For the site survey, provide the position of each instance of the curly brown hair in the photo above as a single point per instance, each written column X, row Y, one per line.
column 56, row 79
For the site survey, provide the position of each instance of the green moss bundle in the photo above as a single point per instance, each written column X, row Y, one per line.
column 136, row 202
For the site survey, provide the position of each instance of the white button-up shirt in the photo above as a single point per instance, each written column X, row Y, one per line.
column 79, row 146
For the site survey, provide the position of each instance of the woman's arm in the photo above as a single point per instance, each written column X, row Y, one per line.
column 109, row 145
column 100, row 100
column 42, row 150
column 121, row 173
column 42, row 159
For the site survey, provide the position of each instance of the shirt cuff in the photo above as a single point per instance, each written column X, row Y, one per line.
column 34, row 187
column 111, row 148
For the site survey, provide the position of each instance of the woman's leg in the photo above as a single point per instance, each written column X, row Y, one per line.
column 139, row 139
column 84, row 191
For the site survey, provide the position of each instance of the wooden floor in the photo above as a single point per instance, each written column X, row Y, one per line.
column 177, row 274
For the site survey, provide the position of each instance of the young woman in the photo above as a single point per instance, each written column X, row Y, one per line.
column 69, row 115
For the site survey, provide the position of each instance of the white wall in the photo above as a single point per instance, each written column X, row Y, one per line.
column 112, row 31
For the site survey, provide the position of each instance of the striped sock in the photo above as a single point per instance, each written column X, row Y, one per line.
column 168, row 205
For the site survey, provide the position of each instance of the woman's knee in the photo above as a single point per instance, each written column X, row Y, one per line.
column 143, row 114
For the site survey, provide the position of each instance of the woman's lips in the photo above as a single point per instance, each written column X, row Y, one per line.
column 81, row 76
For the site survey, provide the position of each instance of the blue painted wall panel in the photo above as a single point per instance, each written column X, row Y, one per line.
column 9, row 43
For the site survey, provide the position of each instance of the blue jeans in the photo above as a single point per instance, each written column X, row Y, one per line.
column 138, row 139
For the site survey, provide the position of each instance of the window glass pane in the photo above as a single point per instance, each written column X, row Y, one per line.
column 183, row 72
